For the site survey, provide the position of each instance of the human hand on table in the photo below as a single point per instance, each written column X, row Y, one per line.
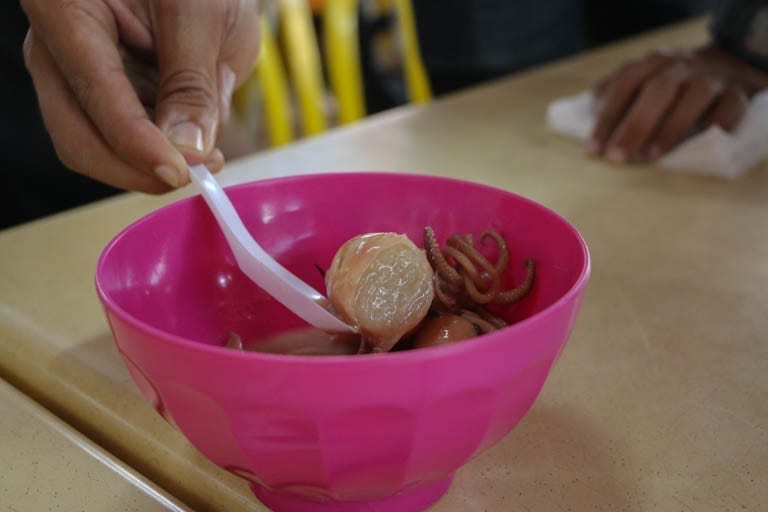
column 650, row 105
column 133, row 90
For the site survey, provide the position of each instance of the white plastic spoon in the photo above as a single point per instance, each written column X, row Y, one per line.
column 257, row 264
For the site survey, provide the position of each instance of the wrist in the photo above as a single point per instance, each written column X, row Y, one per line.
column 740, row 28
column 732, row 67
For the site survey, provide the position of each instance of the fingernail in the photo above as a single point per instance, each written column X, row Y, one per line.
column 654, row 153
column 227, row 87
column 186, row 135
column 215, row 161
column 616, row 155
column 593, row 147
column 169, row 175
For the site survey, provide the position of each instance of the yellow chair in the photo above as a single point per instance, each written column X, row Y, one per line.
column 342, row 54
column 343, row 58
column 416, row 78
column 304, row 63
column 269, row 82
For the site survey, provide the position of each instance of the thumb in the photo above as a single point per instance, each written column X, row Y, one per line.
column 187, row 37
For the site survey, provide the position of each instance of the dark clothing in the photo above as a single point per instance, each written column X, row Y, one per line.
column 493, row 36
column 741, row 28
column 609, row 20
column 469, row 41
column 464, row 42
column 32, row 181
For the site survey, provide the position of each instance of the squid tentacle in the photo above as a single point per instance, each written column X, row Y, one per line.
column 475, row 294
column 517, row 293
column 502, row 260
column 463, row 261
column 436, row 259
column 491, row 318
column 442, row 297
column 482, row 324
column 478, row 259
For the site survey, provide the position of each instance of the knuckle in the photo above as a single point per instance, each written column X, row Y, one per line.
column 125, row 146
column 704, row 85
column 81, row 6
column 655, row 56
column 630, row 71
column 188, row 87
column 624, row 87
column 82, row 87
column 678, row 70
column 83, row 83
column 78, row 10
column 629, row 64
column 641, row 73
column 122, row 146
column 656, row 85
column 660, row 85
column 658, row 57
column 66, row 154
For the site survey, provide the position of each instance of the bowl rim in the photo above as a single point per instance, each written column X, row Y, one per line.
column 431, row 353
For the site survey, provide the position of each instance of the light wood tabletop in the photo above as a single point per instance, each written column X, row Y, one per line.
column 659, row 401
column 47, row 465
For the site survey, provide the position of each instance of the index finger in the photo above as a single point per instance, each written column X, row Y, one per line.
column 83, row 39
column 619, row 95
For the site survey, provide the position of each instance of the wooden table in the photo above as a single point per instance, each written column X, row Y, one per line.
column 49, row 466
column 659, row 402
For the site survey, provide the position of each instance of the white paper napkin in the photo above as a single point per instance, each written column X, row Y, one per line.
column 712, row 152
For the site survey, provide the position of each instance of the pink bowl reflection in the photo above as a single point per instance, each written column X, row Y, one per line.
column 379, row 432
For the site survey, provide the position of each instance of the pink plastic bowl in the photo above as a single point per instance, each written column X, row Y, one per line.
column 382, row 432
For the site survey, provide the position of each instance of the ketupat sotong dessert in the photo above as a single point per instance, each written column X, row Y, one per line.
column 399, row 296
column 380, row 284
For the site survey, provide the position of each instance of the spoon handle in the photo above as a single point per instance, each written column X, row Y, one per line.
column 257, row 264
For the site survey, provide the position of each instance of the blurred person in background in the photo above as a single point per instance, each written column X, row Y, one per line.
column 130, row 89
column 648, row 105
